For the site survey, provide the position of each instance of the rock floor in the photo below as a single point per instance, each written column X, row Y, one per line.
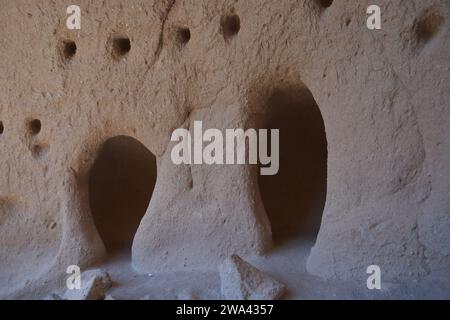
column 286, row 263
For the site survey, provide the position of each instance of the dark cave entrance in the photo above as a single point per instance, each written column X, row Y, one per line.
column 121, row 183
column 294, row 199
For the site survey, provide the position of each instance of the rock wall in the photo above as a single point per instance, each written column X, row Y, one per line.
column 144, row 68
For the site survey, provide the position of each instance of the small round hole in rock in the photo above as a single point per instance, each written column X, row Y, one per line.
column 183, row 35
column 69, row 49
column 230, row 25
column 35, row 126
column 121, row 46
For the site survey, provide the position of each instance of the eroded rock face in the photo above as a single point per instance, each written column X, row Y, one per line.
column 145, row 68
column 242, row 281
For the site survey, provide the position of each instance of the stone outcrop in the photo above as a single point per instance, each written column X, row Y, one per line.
column 94, row 285
column 242, row 281
column 139, row 69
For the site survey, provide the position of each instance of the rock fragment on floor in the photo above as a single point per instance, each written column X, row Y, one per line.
column 242, row 281
column 94, row 285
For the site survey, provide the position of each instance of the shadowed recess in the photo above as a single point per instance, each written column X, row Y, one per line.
column 35, row 126
column 294, row 199
column 183, row 35
column 428, row 27
column 121, row 184
column 230, row 25
column 69, row 49
column 121, row 46
column 325, row 3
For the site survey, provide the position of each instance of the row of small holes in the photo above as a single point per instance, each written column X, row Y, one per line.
column 121, row 46
column 34, row 126
column 230, row 26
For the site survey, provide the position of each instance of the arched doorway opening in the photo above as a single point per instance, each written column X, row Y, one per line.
column 294, row 199
column 121, row 183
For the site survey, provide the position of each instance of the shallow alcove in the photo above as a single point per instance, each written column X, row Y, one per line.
column 120, row 47
column 325, row 3
column 68, row 49
column 121, row 183
column 230, row 25
column 427, row 27
column 294, row 198
column 183, row 36
column 35, row 126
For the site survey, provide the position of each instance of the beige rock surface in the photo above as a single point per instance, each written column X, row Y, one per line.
column 383, row 97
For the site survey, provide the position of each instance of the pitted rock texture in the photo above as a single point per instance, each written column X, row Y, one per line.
column 141, row 69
